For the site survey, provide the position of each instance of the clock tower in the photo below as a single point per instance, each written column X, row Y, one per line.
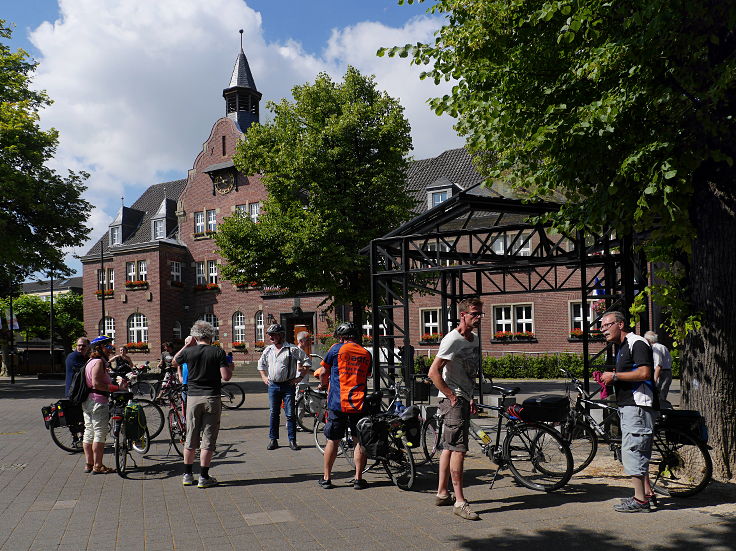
column 241, row 96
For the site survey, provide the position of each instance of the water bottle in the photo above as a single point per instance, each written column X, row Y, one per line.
column 484, row 437
column 399, row 406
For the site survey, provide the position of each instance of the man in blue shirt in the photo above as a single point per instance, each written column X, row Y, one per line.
column 76, row 360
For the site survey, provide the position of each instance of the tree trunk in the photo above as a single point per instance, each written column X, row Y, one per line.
column 709, row 355
column 358, row 312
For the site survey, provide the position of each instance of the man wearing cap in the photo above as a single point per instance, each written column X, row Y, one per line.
column 282, row 367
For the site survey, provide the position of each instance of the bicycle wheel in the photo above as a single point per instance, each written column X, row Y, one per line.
column 121, row 450
column 143, row 444
column 68, row 438
column 143, row 389
column 232, row 396
column 304, row 417
column 176, row 432
column 537, row 456
column 399, row 463
column 320, row 440
column 431, row 440
column 154, row 417
column 680, row 465
column 582, row 441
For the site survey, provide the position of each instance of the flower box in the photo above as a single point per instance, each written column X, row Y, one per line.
column 207, row 287
column 246, row 286
column 500, row 337
column 274, row 291
column 576, row 335
column 430, row 338
column 107, row 293
column 136, row 285
column 240, row 347
column 203, row 234
column 258, row 346
column 136, row 347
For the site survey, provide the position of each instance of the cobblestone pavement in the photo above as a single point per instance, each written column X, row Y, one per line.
column 271, row 500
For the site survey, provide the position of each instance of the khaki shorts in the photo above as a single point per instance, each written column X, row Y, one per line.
column 203, row 422
column 456, row 424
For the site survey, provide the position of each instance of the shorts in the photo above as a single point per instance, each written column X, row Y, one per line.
column 456, row 424
column 96, row 421
column 339, row 421
column 637, row 433
column 203, row 422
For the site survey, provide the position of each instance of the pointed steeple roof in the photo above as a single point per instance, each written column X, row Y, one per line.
column 242, row 77
column 242, row 97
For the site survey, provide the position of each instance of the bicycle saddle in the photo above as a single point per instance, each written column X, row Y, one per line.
column 506, row 391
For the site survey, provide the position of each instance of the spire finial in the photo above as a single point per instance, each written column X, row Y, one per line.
column 122, row 201
column 164, row 192
column 241, row 38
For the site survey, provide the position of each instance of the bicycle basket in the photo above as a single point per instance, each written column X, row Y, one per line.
column 135, row 421
column 545, row 408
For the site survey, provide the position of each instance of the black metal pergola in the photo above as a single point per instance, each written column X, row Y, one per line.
column 474, row 246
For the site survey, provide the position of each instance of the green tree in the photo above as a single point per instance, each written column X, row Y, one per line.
column 627, row 109
column 334, row 163
column 68, row 319
column 41, row 213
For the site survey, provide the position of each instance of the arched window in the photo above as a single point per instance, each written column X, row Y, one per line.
column 238, row 327
column 177, row 331
column 259, row 326
column 212, row 318
column 137, row 328
column 107, row 327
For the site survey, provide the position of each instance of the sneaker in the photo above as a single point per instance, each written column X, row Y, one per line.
column 326, row 484
column 444, row 501
column 465, row 512
column 207, row 482
column 630, row 505
column 653, row 503
column 361, row 484
column 187, row 480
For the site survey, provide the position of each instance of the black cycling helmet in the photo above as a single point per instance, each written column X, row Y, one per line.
column 346, row 330
column 275, row 328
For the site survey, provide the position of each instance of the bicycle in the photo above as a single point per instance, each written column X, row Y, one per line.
column 136, row 385
column 535, row 453
column 231, row 395
column 680, row 466
column 171, row 392
column 309, row 403
column 127, row 436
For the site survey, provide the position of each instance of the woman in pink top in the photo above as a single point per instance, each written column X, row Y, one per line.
column 95, row 409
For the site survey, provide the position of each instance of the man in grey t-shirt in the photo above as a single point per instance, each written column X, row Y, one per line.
column 452, row 372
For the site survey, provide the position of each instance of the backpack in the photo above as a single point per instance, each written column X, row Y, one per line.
column 78, row 389
column 135, row 421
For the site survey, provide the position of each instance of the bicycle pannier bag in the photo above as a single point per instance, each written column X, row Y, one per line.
column 686, row 420
column 373, row 436
column 135, row 421
column 78, row 389
column 412, row 426
column 50, row 416
column 68, row 413
column 547, row 408
column 372, row 403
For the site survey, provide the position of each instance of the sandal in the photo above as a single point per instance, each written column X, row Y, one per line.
column 88, row 467
column 102, row 470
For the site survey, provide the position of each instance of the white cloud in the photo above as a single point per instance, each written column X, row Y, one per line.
column 137, row 85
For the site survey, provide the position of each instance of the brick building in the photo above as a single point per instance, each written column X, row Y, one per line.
column 155, row 271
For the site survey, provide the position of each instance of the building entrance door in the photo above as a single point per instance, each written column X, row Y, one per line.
column 298, row 329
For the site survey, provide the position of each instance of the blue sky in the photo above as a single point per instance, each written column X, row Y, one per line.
column 137, row 84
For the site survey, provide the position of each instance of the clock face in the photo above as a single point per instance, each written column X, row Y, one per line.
column 224, row 182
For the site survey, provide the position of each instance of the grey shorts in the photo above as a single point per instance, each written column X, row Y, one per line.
column 637, row 433
column 456, row 424
column 203, row 422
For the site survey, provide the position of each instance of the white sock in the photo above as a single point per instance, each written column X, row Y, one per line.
column 460, row 503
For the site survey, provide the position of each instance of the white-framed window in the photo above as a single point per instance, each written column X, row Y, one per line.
column 176, row 330
column 115, row 235
column 241, row 210
column 102, row 280
column 254, row 210
column 576, row 315
column 431, row 249
column 211, row 220
column 110, row 278
column 137, row 328
column 199, row 222
column 107, row 327
column 259, row 325
column 503, row 244
column 430, row 320
column 159, row 229
column 201, row 279
column 238, row 327
column 523, row 318
column 142, row 270
column 368, row 326
column 437, row 197
column 502, row 320
column 212, row 318
column 130, row 271
column 175, row 270
column 211, row 271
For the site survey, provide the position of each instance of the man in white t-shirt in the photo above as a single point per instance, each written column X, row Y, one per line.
column 662, row 367
column 452, row 372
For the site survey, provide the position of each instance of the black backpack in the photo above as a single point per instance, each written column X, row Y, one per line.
column 78, row 389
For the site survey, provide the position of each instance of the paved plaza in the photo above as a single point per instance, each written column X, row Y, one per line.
column 271, row 500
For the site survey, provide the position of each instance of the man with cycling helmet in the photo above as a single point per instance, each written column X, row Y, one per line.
column 347, row 367
column 282, row 367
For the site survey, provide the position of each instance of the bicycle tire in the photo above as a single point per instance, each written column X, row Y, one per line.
column 143, row 389
column 399, row 463
column 143, row 444
column 303, row 414
column 538, row 457
column 681, row 466
column 177, row 435
column 121, row 450
column 232, row 396
column 320, row 440
column 431, row 440
column 154, row 416
column 582, row 441
column 68, row 438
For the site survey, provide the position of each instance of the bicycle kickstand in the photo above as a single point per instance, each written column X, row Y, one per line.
column 495, row 476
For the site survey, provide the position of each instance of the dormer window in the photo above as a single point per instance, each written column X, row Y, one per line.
column 437, row 197
column 115, row 235
column 159, row 229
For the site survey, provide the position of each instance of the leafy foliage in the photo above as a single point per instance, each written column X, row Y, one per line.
column 41, row 212
column 623, row 107
column 333, row 162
